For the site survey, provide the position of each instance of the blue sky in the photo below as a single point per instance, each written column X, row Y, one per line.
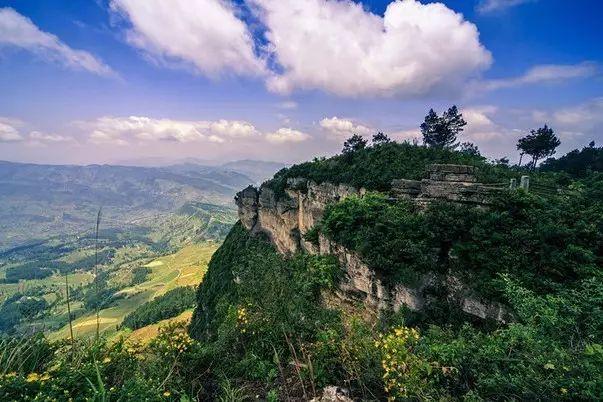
column 125, row 80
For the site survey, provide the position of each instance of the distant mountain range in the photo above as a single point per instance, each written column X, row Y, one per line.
column 38, row 201
column 260, row 170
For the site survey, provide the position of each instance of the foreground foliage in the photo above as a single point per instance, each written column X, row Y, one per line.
column 169, row 367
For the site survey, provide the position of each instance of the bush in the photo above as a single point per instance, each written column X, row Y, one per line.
column 255, row 307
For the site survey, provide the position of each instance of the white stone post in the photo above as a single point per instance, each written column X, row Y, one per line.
column 525, row 182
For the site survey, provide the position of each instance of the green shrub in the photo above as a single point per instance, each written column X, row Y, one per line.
column 169, row 305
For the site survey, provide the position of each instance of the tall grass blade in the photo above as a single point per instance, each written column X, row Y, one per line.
column 97, row 282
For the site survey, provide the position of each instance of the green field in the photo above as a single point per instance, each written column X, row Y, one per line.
column 184, row 268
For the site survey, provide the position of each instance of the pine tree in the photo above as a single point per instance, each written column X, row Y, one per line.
column 441, row 132
column 538, row 144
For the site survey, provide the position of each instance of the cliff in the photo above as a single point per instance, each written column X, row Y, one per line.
column 286, row 219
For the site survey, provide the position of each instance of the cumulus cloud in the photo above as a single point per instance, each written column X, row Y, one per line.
column 121, row 130
column 490, row 6
column 205, row 33
column 585, row 119
column 284, row 135
column 412, row 134
column 335, row 46
column 338, row 46
column 480, row 125
column 543, row 74
column 9, row 130
column 136, row 129
column 19, row 31
column 343, row 128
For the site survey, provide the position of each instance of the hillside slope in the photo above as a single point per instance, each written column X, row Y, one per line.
column 305, row 278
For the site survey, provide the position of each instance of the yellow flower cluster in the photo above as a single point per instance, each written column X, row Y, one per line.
column 242, row 319
column 35, row 377
column 398, row 362
column 173, row 338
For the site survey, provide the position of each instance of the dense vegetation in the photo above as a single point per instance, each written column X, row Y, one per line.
column 170, row 367
column 44, row 268
column 546, row 243
column 578, row 163
column 19, row 307
column 165, row 306
column 270, row 327
column 375, row 167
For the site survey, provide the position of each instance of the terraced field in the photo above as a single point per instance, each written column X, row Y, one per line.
column 184, row 268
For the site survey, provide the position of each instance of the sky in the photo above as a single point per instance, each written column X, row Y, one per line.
column 159, row 81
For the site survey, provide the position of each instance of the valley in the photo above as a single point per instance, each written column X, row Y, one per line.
column 158, row 229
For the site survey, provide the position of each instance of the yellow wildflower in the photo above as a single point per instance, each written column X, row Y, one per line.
column 32, row 377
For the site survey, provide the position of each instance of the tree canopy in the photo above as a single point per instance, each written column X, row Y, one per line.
column 441, row 132
column 354, row 143
column 539, row 144
column 577, row 162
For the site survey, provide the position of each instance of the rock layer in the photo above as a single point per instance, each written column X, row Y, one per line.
column 286, row 219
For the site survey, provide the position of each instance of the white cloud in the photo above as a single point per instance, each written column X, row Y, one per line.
column 41, row 137
column 338, row 46
column 585, row 119
column 19, row 31
column 343, row 128
column 122, row 130
column 283, row 135
column 9, row 130
column 204, row 33
column 489, row 6
column 136, row 129
column 543, row 74
column 480, row 126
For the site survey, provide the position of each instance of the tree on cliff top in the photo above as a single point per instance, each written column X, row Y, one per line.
column 381, row 138
column 354, row 143
column 539, row 144
column 441, row 132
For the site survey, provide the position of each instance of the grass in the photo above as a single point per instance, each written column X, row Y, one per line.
column 183, row 268
column 52, row 283
column 147, row 333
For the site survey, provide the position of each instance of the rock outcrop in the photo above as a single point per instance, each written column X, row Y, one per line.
column 287, row 218
column 456, row 183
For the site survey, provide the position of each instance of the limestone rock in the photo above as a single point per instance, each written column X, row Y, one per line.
column 287, row 218
column 333, row 394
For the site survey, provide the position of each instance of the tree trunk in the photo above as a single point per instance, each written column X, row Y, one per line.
column 520, row 158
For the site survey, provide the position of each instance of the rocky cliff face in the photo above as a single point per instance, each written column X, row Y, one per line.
column 286, row 219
